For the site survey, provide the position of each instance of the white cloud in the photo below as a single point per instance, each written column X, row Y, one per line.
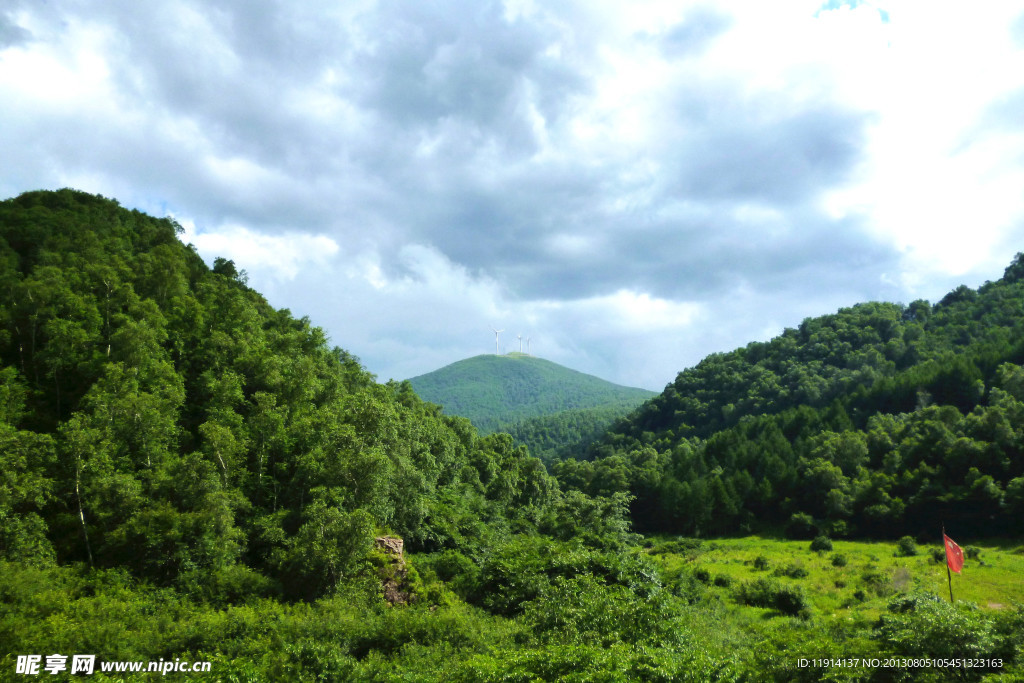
column 631, row 185
column 277, row 257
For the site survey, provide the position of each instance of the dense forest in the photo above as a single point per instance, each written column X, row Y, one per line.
column 564, row 434
column 165, row 417
column 879, row 420
column 188, row 473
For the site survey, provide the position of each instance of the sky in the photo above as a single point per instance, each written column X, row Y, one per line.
column 629, row 185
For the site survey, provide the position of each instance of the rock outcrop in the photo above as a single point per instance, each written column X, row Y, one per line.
column 393, row 572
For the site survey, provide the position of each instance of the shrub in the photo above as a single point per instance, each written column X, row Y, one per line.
column 938, row 555
column 678, row 546
column 924, row 625
column 723, row 580
column 584, row 608
column 972, row 552
column 702, row 575
column 519, row 570
column 906, row 547
column 792, row 570
column 821, row 544
column 761, row 562
column 682, row 583
column 792, row 601
column 839, row 560
column 455, row 569
column 876, row 582
column 789, row 600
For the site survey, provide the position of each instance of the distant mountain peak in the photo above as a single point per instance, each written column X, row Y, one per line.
column 491, row 389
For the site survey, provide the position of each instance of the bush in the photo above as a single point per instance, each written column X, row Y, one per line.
column 839, row 560
column 793, row 571
column 761, row 562
column 972, row 552
column 678, row 546
column 938, row 555
column 585, row 609
column 521, row 569
column 924, row 625
column 821, row 544
column 683, row 584
column 906, row 547
column 877, row 582
column 723, row 580
column 789, row 600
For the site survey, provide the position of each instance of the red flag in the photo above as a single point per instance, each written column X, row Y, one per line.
column 954, row 556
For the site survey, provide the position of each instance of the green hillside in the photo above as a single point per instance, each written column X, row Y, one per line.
column 565, row 434
column 879, row 420
column 498, row 391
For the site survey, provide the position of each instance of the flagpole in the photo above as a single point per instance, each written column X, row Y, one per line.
column 949, row 575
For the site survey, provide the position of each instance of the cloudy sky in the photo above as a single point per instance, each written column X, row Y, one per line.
column 630, row 185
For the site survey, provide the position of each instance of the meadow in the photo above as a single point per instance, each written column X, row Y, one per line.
column 855, row 579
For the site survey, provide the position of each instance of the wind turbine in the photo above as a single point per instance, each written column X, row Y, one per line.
column 520, row 338
column 527, row 346
column 496, row 340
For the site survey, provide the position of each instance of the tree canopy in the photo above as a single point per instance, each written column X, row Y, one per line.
column 878, row 420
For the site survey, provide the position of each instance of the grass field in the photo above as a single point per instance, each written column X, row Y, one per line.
column 857, row 589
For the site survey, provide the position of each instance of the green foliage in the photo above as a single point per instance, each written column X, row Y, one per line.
column 160, row 416
column 567, row 433
column 787, row 599
column 923, row 625
column 583, row 609
column 821, row 544
column 519, row 571
column 501, row 392
column 871, row 422
column 906, row 547
column 792, row 570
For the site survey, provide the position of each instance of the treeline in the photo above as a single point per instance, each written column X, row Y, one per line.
column 564, row 434
column 879, row 420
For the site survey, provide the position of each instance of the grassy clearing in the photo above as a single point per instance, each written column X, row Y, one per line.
column 855, row 587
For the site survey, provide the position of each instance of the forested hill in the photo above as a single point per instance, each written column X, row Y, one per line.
column 879, row 419
column 160, row 416
column 498, row 391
